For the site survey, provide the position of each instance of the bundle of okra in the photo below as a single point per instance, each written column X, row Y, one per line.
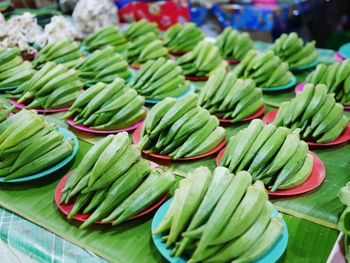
column 343, row 224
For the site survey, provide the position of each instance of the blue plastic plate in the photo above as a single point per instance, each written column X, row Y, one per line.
column 192, row 89
column 8, row 88
column 307, row 66
column 66, row 135
column 344, row 50
column 290, row 84
column 83, row 49
column 272, row 255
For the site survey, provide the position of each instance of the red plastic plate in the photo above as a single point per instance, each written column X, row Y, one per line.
column 344, row 137
column 136, row 139
column 178, row 53
column 195, row 78
column 65, row 209
column 89, row 130
column 255, row 115
column 233, row 61
column 22, row 106
column 314, row 180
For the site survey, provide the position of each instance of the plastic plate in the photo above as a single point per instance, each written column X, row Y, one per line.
column 338, row 57
column 301, row 86
column 22, row 106
column 290, row 84
column 314, row 180
column 136, row 139
column 66, row 135
column 344, row 51
column 233, row 61
column 307, row 66
column 342, row 138
column 255, row 115
column 272, row 255
column 8, row 88
column 178, row 53
column 192, row 89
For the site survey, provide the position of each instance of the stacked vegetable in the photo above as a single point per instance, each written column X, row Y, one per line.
column 276, row 156
column 144, row 48
column 291, row 49
column 227, row 97
column 200, row 62
column 113, row 183
column 103, row 65
column 107, row 36
column 140, row 28
column 232, row 44
column 13, row 70
column 343, row 226
column 315, row 112
column 266, row 69
column 64, row 52
column 182, row 37
column 29, row 145
column 220, row 217
column 53, row 86
column 336, row 77
column 158, row 79
column 108, row 107
column 181, row 128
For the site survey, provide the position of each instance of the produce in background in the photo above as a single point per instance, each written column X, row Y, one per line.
column 233, row 44
column 108, row 107
column 107, row 36
column 103, row 66
column 336, row 77
column 343, row 224
column 29, row 145
column 145, row 48
column 220, row 217
column 182, row 37
column 140, row 28
column 276, row 156
column 13, row 70
column 200, row 62
column 113, row 182
column 53, row 86
column 315, row 112
column 291, row 49
column 266, row 69
column 227, row 97
column 158, row 79
column 180, row 128
column 64, row 52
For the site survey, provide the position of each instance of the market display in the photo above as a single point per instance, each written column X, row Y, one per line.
column 108, row 107
column 64, row 52
column 266, row 69
column 158, row 79
column 343, row 226
column 275, row 155
column 227, row 97
column 103, row 66
column 220, row 217
column 233, row 44
column 13, row 70
column 140, row 28
column 200, row 62
column 28, row 145
column 180, row 128
column 53, row 86
column 107, row 36
column 336, row 77
column 291, row 49
column 182, row 37
column 315, row 113
column 113, row 182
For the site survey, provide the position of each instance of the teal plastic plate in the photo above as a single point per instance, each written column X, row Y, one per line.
column 344, row 50
column 192, row 89
column 307, row 66
column 272, row 255
column 66, row 135
column 290, row 84
column 8, row 88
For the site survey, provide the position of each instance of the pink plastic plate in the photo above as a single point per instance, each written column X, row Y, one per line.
column 342, row 138
column 338, row 57
column 314, row 180
column 255, row 115
column 22, row 106
column 136, row 139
